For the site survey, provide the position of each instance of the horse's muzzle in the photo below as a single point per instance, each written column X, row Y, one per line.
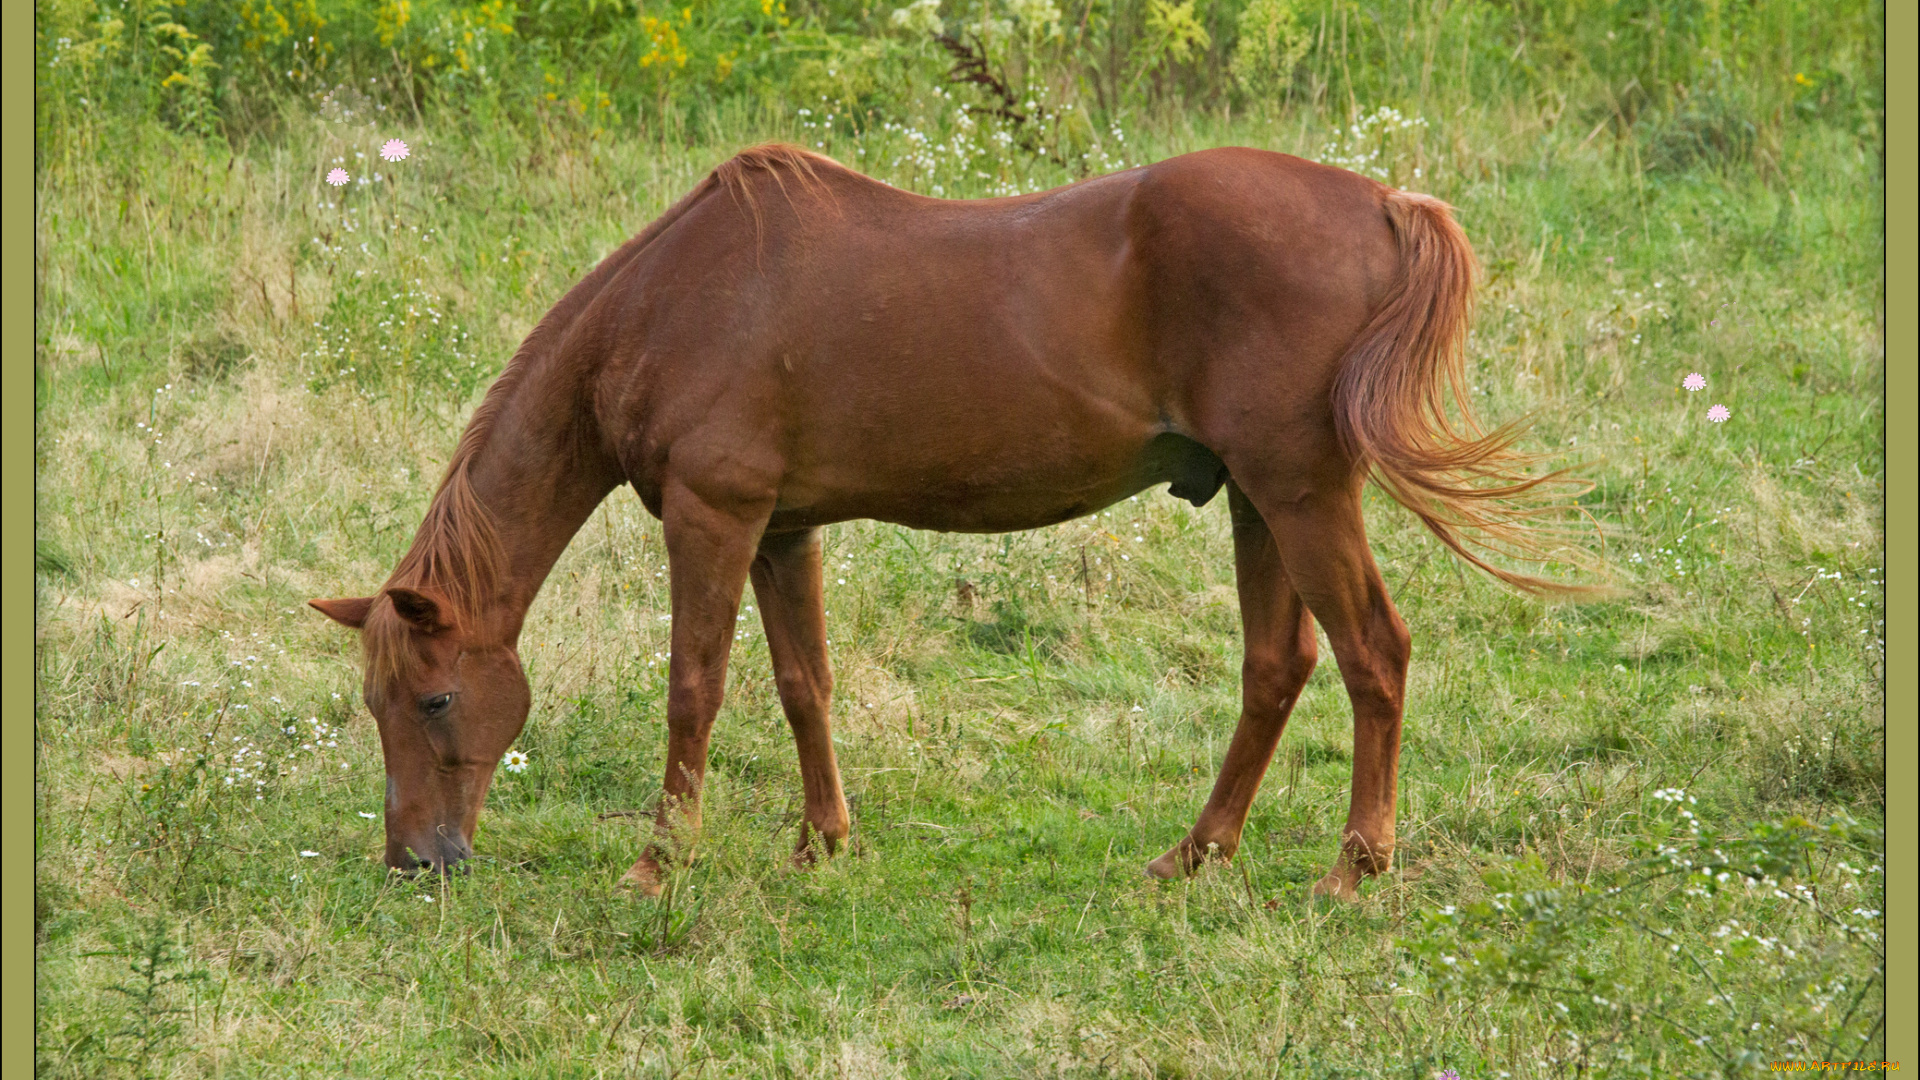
column 440, row 852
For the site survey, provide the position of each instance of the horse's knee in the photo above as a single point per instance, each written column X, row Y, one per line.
column 798, row 686
column 693, row 695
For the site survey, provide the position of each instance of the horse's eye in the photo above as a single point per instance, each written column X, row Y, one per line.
column 434, row 706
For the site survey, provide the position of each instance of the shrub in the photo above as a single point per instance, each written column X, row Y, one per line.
column 1272, row 43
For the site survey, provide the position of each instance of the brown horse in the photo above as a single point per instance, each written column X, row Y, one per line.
column 794, row 344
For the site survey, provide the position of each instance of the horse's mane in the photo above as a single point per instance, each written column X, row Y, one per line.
column 457, row 552
column 780, row 162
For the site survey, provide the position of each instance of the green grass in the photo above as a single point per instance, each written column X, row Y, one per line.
column 240, row 409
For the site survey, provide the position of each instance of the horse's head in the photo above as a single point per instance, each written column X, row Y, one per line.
column 450, row 699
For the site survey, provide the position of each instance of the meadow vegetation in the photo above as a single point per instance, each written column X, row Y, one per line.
column 1639, row 836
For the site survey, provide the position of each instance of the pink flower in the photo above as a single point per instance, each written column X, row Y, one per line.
column 394, row 150
column 1718, row 414
column 338, row 177
column 1695, row 381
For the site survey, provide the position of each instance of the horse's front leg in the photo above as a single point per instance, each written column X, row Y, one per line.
column 787, row 582
column 709, row 549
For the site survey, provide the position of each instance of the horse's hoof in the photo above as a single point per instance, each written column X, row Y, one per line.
column 1338, row 887
column 811, row 853
column 1169, row 867
column 1185, row 858
column 644, row 878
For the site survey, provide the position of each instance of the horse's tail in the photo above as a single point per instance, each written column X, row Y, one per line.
column 1390, row 403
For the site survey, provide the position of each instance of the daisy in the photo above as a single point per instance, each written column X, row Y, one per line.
column 394, row 150
column 338, row 177
column 1695, row 381
column 515, row 761
column 1718, row 414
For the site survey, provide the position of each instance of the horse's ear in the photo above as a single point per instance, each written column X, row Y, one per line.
column 425, row 610
column 350, row 613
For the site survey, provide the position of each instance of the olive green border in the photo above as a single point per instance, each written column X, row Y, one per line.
column 16, row 539
column 1903, row 538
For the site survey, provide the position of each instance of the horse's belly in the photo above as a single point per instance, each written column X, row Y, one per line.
column 1014, row 491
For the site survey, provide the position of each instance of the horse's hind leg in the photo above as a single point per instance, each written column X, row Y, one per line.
column 1279, row 658
column 1323, row 541
column 708, row 552
column 787, row 582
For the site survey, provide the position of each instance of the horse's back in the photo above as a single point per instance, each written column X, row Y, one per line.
column 865, row 352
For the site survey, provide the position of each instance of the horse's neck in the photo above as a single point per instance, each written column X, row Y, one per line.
column 540, row 474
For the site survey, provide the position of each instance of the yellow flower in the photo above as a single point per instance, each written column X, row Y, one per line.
column 666, row 43
column 391, row 18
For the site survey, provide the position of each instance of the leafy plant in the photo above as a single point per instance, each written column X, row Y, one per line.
column 159, row 971
column 1636, row 960
column 1272, row 43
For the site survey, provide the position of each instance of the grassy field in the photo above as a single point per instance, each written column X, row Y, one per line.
column 1637, row 837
